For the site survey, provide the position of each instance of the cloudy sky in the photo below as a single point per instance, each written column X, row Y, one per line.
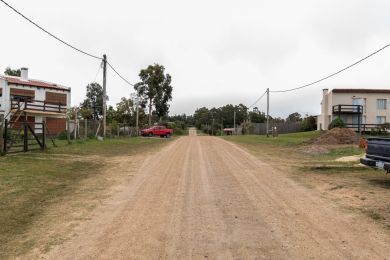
column 218, row 52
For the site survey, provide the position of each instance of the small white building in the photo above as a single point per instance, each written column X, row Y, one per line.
column 367, row 107
column 37, row 100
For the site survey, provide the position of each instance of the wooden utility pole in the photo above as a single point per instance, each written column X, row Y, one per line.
column 137, row 116
column 104, row 95
column 267, row 112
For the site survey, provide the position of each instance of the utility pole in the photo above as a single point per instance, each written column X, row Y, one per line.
column 234, row 122
column 136, row 120
column 104, row 95
column 267, row 126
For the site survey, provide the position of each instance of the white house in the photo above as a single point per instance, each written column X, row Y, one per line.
column 367, row 107
column 22, row 98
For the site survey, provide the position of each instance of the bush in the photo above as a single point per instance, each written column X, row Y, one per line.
column 383, row 129
column 308, row 124
column 63, row 135
column 337, row 122
column 179, row 128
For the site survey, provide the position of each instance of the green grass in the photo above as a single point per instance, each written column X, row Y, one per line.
column 341, row 152
column 109, row 147
column 31, row 182
column 282, row 140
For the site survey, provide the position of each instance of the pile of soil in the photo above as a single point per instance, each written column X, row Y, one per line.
column 337, row 136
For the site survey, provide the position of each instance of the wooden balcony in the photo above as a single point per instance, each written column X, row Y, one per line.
column 347, row 109
column 38, row 107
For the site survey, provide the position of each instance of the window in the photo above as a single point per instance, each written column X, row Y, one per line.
column 380, row 120
column 381, row 104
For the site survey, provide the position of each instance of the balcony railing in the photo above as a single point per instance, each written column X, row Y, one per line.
column 348, row 109
column 38, row 106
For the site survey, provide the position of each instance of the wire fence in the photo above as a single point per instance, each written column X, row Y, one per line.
column 84, row 129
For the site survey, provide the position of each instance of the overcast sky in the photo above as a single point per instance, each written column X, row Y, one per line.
column 217, row 52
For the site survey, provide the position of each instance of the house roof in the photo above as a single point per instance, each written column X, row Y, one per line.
column 361, row 90
column 33, row 83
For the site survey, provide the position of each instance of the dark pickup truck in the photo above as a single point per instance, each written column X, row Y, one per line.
column 377, row 153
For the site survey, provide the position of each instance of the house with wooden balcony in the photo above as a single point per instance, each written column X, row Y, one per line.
column 28, row 100
column 360, row 109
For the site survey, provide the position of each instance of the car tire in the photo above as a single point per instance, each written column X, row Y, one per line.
column 168, row 135
column 150, row 134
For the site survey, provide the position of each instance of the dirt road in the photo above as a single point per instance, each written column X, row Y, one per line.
column 203, row 197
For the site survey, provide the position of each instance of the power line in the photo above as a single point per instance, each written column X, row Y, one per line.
column 334, row 74
column 97, row 73
column 258, row 99
column 117, row 73
column 47, row 32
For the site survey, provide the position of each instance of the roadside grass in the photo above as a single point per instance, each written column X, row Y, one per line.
column 282, row 140
column 109, row 147
column 30, row 183
column 356, row 187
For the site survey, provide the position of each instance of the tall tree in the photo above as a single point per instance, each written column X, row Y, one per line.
column 94, row 100
column 155, row 88
column 294, row 117
column 10, row 72
column 202, row 116
column 125, row 111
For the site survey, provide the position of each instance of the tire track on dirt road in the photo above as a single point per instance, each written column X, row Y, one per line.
column 203, row 197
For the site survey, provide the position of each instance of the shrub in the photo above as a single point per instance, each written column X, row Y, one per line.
column 63, row 135
column 308, row 124
column 178, row 128
column 337, row 122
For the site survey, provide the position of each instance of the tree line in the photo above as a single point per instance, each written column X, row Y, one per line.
column 215, row 119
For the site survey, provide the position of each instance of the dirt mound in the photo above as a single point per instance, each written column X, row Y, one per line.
column 337, row 136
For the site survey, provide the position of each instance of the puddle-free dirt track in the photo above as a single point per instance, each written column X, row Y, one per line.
column 203, row 197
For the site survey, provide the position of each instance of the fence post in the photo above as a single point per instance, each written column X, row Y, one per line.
column 75, row 129
column 1, row 134
column 68, row 130
column 43, row 134
column 25, row 137
column 117, row 129
column 85, row 129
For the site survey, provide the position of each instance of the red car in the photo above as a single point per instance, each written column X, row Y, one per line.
column 161, row 131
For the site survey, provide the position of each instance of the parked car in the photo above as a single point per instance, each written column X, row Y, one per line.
column 377, row 153
column 161, row 131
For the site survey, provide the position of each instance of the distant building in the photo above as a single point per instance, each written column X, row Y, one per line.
column 22, row 99
column 365, row 107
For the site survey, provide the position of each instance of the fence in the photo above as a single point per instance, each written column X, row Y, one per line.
column 282, row 128
column 83, row 129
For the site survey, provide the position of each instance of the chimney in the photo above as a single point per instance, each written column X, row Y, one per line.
column 324, row 92
column 24, row 73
